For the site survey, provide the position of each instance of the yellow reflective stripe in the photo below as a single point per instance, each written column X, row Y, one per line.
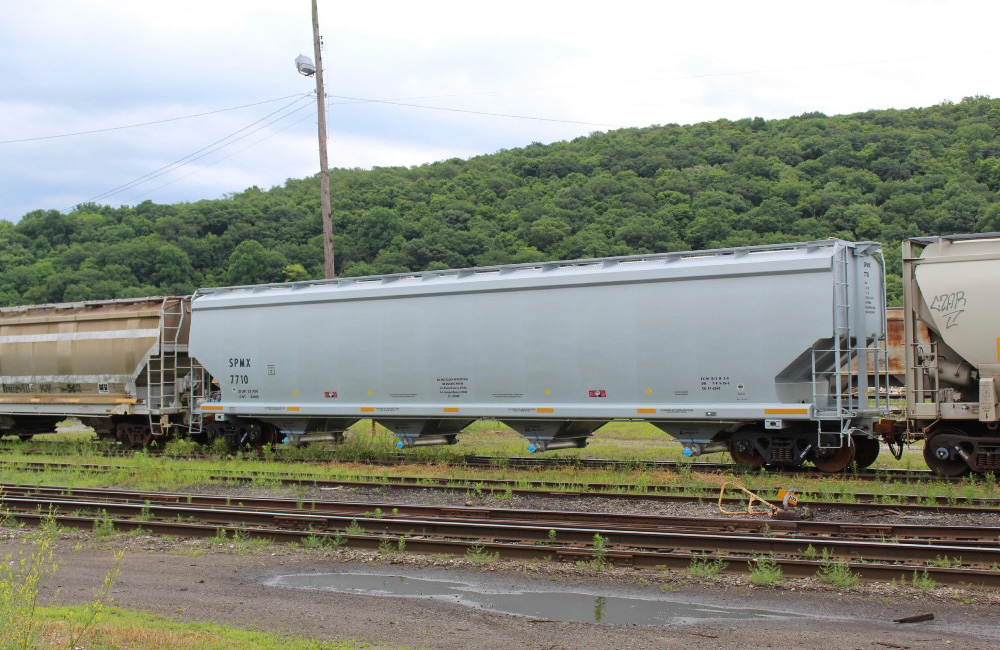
column 786, row 411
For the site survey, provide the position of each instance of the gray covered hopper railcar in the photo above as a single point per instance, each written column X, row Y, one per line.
column 751, row 350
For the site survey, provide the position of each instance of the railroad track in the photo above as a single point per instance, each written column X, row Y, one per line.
column 525, row 462
column 984, row 535
column 856, row 501
column 945, row 554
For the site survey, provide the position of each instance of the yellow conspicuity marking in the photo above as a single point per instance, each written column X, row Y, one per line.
column 293, row 408
column 998, row 350
column 548, row 392
column 450, row 409
column 786, row 411
column 66, row 400
column 211, row 408
column 649, row 391
column 645, row 411
column 545, row 410
column 367, row 409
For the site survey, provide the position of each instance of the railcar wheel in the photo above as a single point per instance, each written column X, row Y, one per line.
column 744, row 453
column 26, row 436
column 257, row 436
column 940, row 456
column 865, row 451
column 835, row 460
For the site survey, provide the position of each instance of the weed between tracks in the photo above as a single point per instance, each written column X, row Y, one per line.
column 479, row 555
column 836, row 572
column 765, row 571
column 703, row 567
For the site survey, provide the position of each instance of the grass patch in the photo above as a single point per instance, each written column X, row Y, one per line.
column 245, row 543
column 922, row 581
column 765, row 571
column 836, row 572
column 703, row 567
column 120, row 629
column 479, row 555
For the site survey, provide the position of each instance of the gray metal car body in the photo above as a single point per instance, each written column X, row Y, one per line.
column 699, row 343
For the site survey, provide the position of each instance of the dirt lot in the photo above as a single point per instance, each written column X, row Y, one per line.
column 201, row 580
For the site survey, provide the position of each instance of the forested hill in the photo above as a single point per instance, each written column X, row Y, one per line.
column 881, row 175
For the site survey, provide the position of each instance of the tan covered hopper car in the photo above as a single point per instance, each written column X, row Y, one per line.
column 120, row 366
column 952, row 396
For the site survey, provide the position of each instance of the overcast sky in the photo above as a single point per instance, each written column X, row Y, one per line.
column 577, row 67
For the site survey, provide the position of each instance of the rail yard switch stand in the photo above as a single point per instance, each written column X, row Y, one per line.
column 754, row 498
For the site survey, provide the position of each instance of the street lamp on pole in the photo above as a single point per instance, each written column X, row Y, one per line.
column 305, row 66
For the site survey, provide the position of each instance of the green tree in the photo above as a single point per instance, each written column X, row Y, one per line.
column 251, row 263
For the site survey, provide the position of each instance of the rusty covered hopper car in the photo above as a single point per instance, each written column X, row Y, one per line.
column 120, row 366
column 746, row 350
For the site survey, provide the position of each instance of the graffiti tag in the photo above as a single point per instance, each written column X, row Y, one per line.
column 950, row 305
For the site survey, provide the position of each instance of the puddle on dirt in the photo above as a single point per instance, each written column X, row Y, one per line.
column 571, row 606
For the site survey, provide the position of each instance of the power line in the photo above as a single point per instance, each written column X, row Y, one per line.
column 169, row 119
column 204, row 151
column 230, row 155
column 402, row 101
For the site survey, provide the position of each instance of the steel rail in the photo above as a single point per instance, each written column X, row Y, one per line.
column 767, row 527
column 669, row 493
column 519, row 531
column 720, row 547
column 237, row 518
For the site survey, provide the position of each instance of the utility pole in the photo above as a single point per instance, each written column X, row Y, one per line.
column 324, row 171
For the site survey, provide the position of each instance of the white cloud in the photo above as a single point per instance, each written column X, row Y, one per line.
column 74, row 66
